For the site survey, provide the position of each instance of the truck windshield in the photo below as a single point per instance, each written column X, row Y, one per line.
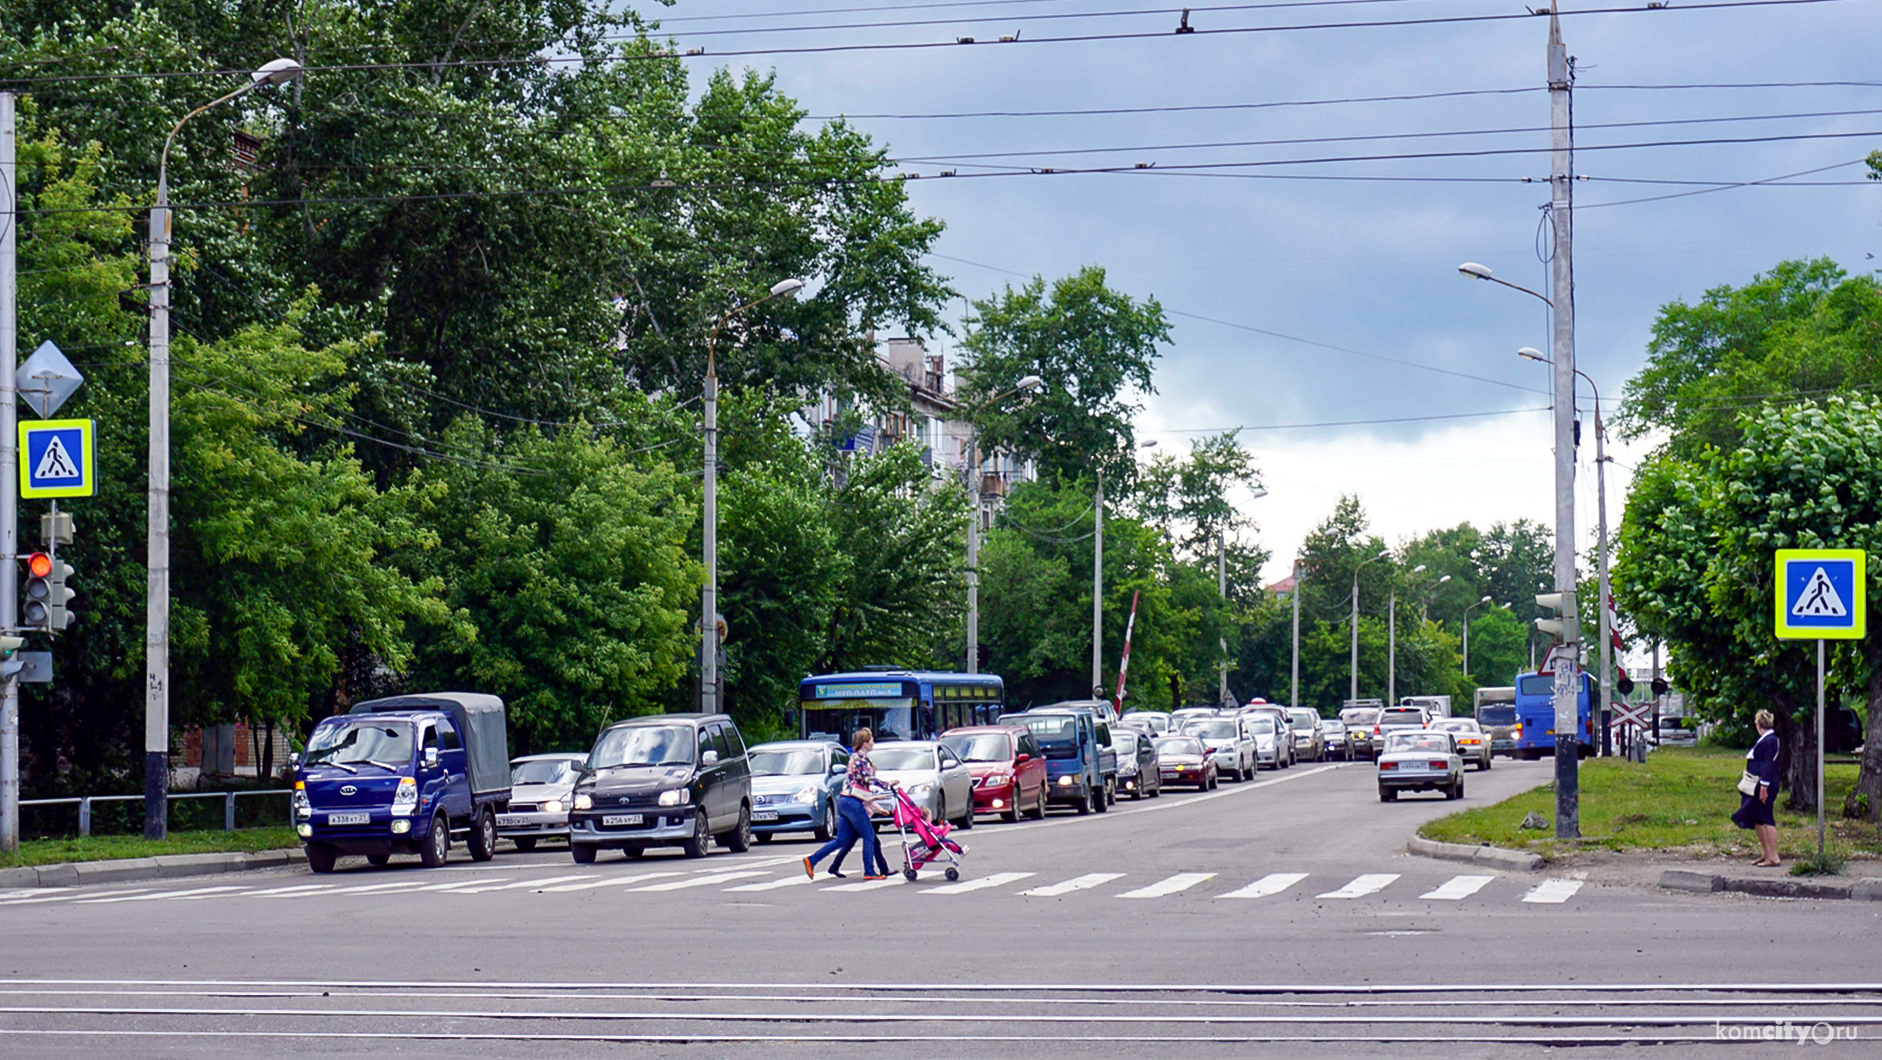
column 1057, row 734
column 1500, row 715
column 385, row 744
column 644, row 745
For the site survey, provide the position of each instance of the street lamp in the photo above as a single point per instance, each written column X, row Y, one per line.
column 972, row 475
column 1424, row 606
column 1606, row 634
column 1353, row 691
column 1562, row 345
column 709, row 602
column 1391, row 642
column 1222, row 587
column 1467, row 612
column 1097, row 583
column 157, row 513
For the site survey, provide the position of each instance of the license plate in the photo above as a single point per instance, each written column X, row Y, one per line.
column 617, row 820
column 349, row 818
column 764, row 815
column 504, row 821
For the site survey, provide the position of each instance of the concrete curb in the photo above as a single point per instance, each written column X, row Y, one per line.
column 162, row 867
column 1520, row 860
column 1865, row 889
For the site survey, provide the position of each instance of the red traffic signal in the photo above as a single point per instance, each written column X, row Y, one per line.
column 39, row 565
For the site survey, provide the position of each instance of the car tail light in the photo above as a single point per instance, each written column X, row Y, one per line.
column 1439, row 765
column 1387, row 766
column 1375, row 730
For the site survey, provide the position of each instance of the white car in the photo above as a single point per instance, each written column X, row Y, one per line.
column 541, row 792
column 1420, row 760
column 1230, row 743
column 1472, row 742
column 933, row 776
column 1274, row 742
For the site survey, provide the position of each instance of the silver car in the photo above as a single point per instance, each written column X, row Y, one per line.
column 1274, row 746
column 541, row 787
column 1230, row 742
column 1472, row 742
column 1333, row 736
column 933, row 776
column 1420, row 760
column 1309, row 743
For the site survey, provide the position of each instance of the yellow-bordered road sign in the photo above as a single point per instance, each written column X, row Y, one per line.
column 57, row 459
column 1821, row 594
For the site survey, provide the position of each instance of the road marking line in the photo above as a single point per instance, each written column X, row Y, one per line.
column 1272, row 883
column 521, row 884
column 1362, row 885
column 618, row 881
column 455, row 885
column 1182, row 881
column 867, row 885
column 291, row 892
column 402, row 885
column 699, row 881
column 998, row 879
column 87, row 893
column 1458, row 887
column 157, row 895
column 1076, row 883
column 772, row 885
column 1553, row 891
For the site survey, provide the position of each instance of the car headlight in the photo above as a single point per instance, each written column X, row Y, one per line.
column 405, row 800
column 583, row 801
column 806, row 794
column 1065, row 781
column 921, row 790
column 676, row 796
column 552, row 806
column 997, row 780
column 401, row 827
column 302, row 808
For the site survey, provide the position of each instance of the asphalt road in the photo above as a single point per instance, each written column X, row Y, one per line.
column 1275, row 917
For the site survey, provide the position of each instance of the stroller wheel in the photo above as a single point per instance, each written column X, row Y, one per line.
column 909, row 875
column 953, row 874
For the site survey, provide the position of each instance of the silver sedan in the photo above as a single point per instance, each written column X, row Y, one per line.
column 1420, row 760
column 933, row 776
column 540, row 793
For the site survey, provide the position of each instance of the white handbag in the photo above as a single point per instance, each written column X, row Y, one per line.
column 1748, row 783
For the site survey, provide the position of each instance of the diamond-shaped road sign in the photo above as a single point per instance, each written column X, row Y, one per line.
column 1821, row 593
column 46, row 379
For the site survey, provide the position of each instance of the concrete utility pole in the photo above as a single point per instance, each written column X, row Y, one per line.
column 1294, row 663
column 1391, row 649
column 973, row 550
column 1562, row 288
column 1097, row 591
column 1222, row 643
column 9, row 480
column 1605, row 687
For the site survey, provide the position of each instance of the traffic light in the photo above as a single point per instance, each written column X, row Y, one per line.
column 36, row 612
column 1659, row 687
column 982, row 656
column 1554, row 627
column 60, row 616
column 1624, row 684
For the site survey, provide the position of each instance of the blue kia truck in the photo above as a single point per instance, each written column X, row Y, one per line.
column 404, row 775
column 1081, row 767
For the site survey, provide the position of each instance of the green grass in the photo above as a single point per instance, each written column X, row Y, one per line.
column 1680, row 801
column 101, row 848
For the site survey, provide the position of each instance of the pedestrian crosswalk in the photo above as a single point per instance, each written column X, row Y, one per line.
column 773, row 879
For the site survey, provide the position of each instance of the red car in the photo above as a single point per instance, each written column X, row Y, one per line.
column 1008, row 770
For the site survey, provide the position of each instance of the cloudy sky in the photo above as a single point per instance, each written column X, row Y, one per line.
column 1364, row 265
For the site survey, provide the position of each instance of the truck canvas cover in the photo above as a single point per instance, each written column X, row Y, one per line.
column 479, row 718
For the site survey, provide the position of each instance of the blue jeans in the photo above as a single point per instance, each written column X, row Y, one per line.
column 852, row 823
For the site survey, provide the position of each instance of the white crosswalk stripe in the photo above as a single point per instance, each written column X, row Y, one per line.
column 998, row 879
column 1076, row 883
column 1458, row 887
column 1182, row 881
column 68, row 896
column 793, row 880
column 866, row 885
column 519, row 885
column 1553, row 891
column 302, row 890
column 1271, row 884
column 1363, row 885
column 121, row 897
column 699, row 881
column 618, row 881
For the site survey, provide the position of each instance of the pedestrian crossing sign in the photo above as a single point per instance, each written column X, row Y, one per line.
column 1820, row 594
column 57, row 459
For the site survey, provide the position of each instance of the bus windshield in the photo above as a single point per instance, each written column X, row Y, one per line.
column 887, row 719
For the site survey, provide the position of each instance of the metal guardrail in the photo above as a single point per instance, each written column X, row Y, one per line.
column 84, row 803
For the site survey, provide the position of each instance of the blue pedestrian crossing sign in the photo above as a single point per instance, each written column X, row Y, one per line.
column 57, row 459
column 1820, row 594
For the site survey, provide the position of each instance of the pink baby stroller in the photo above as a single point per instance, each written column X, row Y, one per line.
column 923, row 841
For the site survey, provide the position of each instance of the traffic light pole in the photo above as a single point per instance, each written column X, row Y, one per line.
column 1562, row 287
column 9, row 482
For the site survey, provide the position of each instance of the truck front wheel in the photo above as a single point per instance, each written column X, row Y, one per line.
column 320, row 857
column 437, row 843
column 483, row 836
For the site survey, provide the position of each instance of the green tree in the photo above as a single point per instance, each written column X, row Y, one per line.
column 1094, row 347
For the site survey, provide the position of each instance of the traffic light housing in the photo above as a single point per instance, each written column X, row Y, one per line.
column 982, row 656
column 60, row 615
column 1659, row 687
column 1624, row 684
column 1554, row 627
column 36, row 610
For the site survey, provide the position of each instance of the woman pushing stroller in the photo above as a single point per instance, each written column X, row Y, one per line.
column 853, row 806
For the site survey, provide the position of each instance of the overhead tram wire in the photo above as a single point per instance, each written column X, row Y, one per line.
column 1766, row 182
column 542, row 60
column 1284, row 336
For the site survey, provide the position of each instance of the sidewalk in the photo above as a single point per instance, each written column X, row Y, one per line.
column 162, row 867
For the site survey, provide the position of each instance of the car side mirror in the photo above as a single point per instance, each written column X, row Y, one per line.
column 710, row 758
column 838, row 768
column 295, row 759
column 431, row 758
column 1023, row 758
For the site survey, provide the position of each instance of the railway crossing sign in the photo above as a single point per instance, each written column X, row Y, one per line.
column 57, row 459
column 1631, row 712
column 1820, row 594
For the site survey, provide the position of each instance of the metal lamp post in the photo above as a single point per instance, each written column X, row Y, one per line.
column 709, row 603
column 1097, row 584
column 157, row 562
column 1467, row 612
column 1028, row 383
column 1222, row 587
column 1353, row 691
column 1391, row 642
column 1424, row 605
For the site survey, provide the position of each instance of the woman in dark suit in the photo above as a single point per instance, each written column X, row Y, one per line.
column 1755, row 811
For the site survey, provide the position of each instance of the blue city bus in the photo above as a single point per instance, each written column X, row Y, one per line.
column 896, row 704
column 1535, row 715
